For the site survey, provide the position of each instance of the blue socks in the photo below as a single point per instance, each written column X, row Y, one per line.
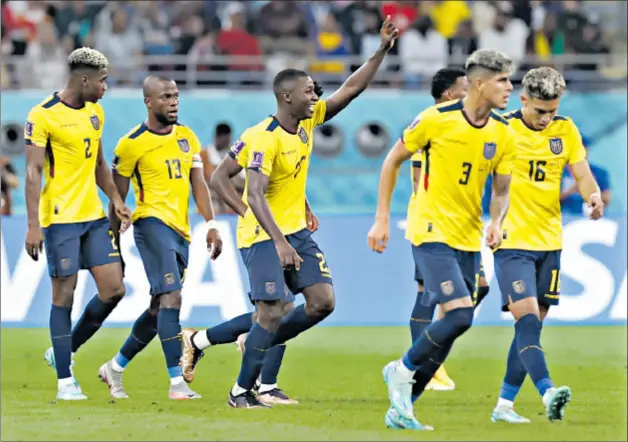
column 293, row 324
column 528, row 338
column 92, row 318
column 272, row 364
column 515, row 374
column 60, row 334
column 425, row 372
column 229, row 331
column 481, row 294
column 438, row 336
column 144, row 330
column 421, row 316
column 257, row 344
column 169, row 328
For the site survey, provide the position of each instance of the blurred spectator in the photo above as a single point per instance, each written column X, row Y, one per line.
column 570, row 199
column 371, row 38
column 354, row 18
column 402, row 13
column 591, row 43
column 46, row 60
column 463, row 44
column 422, row 49
column 237, row 41
column 122, row 47
column 75, row 21
column 448, row 15
column 571, row 22
column 548, row 40
column 212, row 156
column 283, row 28
column 330, row 43
column 508, row 34
column 8, row 181
column 153, row 22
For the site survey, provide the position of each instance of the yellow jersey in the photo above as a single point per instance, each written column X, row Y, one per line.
column 284, row 157
column 416, row 161
column 458, row 157
column 534, row 220
column 71, row 137
column 159, row 166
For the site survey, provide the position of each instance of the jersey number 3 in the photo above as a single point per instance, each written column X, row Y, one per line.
column 466, row 173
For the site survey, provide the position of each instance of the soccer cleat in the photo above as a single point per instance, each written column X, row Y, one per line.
column 275, row 396
column 113, row 379
column 181, row 392
column 555, row 400
column 246, row 400
column 396, row 422
column 190, row 354
column 443, row 378
column 49, row 356
column 399, row 390
column 508, row 414
column 438, row 385
column 71, row 392
column 241, row 341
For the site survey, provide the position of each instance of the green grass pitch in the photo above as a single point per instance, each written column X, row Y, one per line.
column 336, row 375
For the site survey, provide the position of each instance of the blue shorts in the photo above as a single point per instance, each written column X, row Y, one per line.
column 75, row 246
column 164, row 253
column 269, row 282
column 525, row 273
column 417, row 272
column 448, row 273
column 289, row 297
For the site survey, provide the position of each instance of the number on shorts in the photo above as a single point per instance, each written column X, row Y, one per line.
column 555, row 284
column 466, row 172
column 114, row 244
column 88, row 145
column 322, row 264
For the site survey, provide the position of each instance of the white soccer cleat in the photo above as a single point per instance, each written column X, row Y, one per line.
column 113, row 379
column 70, row 392
column 182, row 392
column 508, row 415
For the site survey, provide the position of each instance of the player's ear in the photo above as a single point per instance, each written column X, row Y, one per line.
column 286, row 97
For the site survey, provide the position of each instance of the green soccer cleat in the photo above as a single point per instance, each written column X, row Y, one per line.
column 555, row 400
column 508, row 415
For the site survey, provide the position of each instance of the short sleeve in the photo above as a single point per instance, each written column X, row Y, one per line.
column 124, row 158
column 506, row 162
column 417, row 159
column 320, row 109
column 239, row 152
column 262, row 153
column 195, row 144
column 36, row 129
column 416, row 136
column 101, row 115
column 577, row 152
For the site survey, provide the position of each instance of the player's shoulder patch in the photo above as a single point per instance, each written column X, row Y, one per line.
column 50, row 102
column 510, row 115
column 136, row 131
column 495, row 116
column 449, row 106
column 274, row 124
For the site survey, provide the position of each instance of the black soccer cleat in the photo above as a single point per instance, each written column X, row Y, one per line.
column 245, row 400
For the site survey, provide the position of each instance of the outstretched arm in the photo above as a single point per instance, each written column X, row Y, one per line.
column 360, row 79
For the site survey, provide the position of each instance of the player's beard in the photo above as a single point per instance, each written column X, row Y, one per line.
column 165, row 120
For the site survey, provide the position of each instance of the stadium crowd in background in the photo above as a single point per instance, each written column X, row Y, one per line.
column 314, row 35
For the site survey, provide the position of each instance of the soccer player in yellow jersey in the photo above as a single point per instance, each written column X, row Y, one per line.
column 274, row 241
column 527, row 264
column 162, row 159
column 63, row 143
column 463, row 141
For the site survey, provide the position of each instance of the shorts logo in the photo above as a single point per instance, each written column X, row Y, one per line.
column 519, row 287
column 95, row 122
column 447, row 288
column 169, row 278
column 184, row 145
column 258, row 159
column 303, row 135
column 29, row 129
column 489, row 150
column 66, row 263
column 556, row 145
column 270, row 288
column 238, row 146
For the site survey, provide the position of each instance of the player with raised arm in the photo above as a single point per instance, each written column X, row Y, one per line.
column 63, row 137
column 236, row 329
column 273, row 238
column 162, row 158
column 527, row 264
column 463, row 142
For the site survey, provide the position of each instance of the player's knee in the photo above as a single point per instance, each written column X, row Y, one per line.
column 114, row 292
column 170, row 300
column 269, row 315
column 63, row 292
column 322, row 304
column 460, row 319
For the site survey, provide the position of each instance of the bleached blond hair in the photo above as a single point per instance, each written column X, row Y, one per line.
column 544, row 83
column 490, row 59
column 87, row 57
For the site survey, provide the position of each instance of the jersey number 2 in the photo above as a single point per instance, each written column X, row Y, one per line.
column 466, row 172
column 174, row 168
column 88, row 145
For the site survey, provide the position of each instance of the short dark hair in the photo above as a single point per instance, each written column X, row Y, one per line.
column 287, row 75
column 223, row 129
column 444, row 79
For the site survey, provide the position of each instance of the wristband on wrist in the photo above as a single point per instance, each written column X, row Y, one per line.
column 212, row 225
